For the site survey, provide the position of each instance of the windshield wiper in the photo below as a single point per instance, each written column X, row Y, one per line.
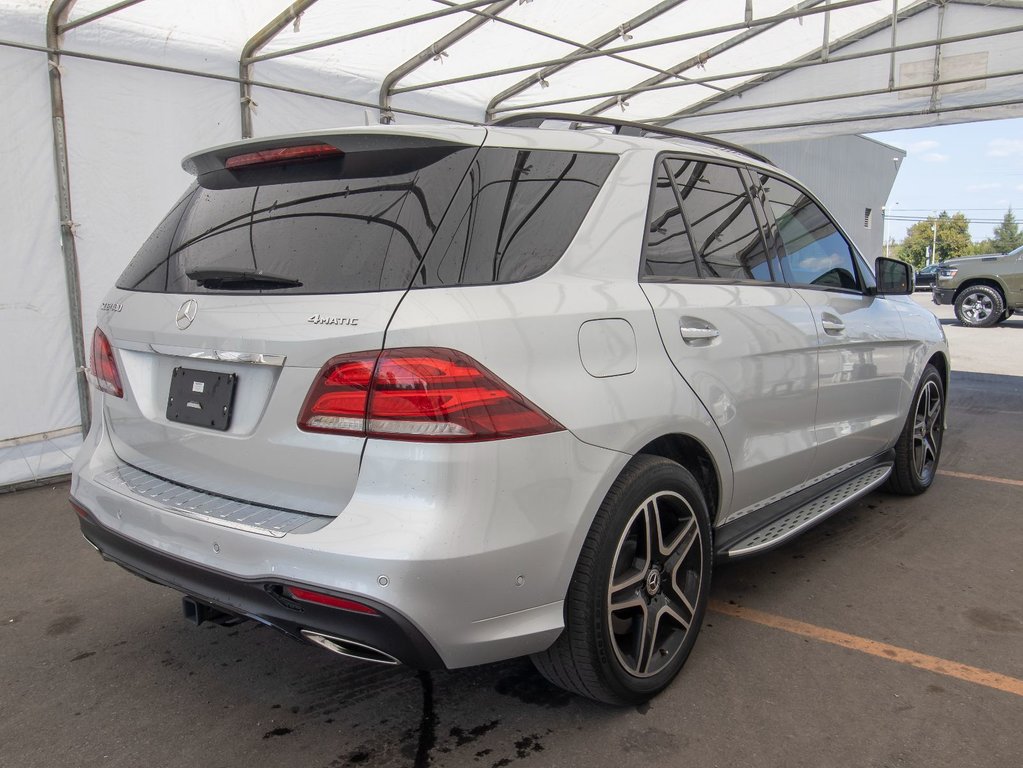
column 225, row 278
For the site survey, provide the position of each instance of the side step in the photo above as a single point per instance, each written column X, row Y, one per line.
column 811, row 513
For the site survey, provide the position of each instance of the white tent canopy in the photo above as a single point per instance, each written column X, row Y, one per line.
column 130, row 87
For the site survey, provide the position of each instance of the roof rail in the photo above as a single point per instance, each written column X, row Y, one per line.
column 623, row 127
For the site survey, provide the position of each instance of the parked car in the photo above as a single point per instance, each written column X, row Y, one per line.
column 446, row 395
column 925, row 277
column 985, row 290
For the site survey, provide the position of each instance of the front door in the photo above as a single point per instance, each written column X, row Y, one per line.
column 863, row 351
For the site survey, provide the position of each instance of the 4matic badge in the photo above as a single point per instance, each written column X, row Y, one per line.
column 331, row 320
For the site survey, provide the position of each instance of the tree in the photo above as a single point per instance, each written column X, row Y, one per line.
column 1007, row 235
column 983, row 247
column 953, row 239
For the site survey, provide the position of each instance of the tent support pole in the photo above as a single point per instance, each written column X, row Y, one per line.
column 704, row 56
column 392, row 25
column 67, row 26
column 836, row 5
column 765, row 74
column 813, row 58
column 596, row 44
column 620, row 31
column 935, row 101
column 246, row 64
column 436, row 50
column 55, row 17
column 881, row 116
column 895, row 31
column 849, row 95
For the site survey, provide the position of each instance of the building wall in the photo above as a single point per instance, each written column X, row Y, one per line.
column 850, row 174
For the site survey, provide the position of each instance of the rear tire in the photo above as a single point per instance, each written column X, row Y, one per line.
column 919, row 447
column 639, row 591
column 979, row 306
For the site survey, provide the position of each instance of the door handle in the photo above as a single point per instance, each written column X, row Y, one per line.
column 832, row 325
column 694, row 330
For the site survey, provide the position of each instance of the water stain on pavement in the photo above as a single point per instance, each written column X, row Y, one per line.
column 63, row 625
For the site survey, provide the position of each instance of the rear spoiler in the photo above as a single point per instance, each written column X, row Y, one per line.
column 213, row 167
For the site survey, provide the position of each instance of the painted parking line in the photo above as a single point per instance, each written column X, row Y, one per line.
column 872, row 647
column 985, row 478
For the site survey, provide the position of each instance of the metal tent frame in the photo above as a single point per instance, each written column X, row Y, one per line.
column 727, row 87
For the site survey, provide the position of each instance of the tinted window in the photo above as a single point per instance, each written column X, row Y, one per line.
column 355, row 225
column 815, row 252
column 719, row 210
column 668, row 252
column 513, row 216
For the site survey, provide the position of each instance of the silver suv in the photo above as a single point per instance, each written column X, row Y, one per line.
column 446, row 395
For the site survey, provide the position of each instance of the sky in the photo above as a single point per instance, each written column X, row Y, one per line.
column 976, row 168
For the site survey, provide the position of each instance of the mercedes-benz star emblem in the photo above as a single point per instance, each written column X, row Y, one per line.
column 186, row 314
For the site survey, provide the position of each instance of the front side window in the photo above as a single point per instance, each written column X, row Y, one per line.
column 815, row 252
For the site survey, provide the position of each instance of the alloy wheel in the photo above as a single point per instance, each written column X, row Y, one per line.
column 978, row 307
column 927, row 431
column 655, row 583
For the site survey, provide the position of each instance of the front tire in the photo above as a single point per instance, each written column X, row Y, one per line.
column 919, row 447
column 639, row 591
column 979, row 306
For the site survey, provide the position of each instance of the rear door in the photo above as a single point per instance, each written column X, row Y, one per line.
column 742, row 340
column 864, row 353
column 260, row 274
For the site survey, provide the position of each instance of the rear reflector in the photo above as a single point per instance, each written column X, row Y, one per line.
column 309, row 596
column 282, row 155
column 422, row 394
column 104, row 367
column 81, row 511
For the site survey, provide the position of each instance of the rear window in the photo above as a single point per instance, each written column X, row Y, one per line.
column 362, row 224
column 450, row 216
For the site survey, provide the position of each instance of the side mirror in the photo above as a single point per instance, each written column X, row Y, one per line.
column 894, row 278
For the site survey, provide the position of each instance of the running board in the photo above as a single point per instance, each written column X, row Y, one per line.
column 811, row 513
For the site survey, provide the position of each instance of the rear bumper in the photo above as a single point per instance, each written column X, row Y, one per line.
column 942, row 295
column 466, row 550
column 264, row 599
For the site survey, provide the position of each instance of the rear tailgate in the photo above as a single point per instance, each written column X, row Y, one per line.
column 254, row 281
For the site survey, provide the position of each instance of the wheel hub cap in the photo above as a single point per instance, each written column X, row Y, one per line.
column 653, row 582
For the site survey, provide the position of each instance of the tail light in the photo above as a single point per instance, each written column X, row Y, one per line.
column 418, row 394
column 104, row 367
column 282, row 155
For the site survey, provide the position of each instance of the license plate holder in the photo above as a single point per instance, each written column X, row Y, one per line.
column 201, row 398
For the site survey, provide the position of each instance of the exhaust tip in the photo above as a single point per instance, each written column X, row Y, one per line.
column 349, row 648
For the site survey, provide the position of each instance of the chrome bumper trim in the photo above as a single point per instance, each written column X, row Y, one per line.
column 218, row 510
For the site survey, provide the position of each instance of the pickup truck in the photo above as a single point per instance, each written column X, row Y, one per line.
column 985, row 290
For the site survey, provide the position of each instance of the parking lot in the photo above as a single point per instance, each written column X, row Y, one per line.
column 890, row 635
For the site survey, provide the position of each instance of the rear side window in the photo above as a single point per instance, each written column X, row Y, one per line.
column 718, row 212
column 815, row 252
column 668, row 252
column 513, row 216
column 364, row 226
